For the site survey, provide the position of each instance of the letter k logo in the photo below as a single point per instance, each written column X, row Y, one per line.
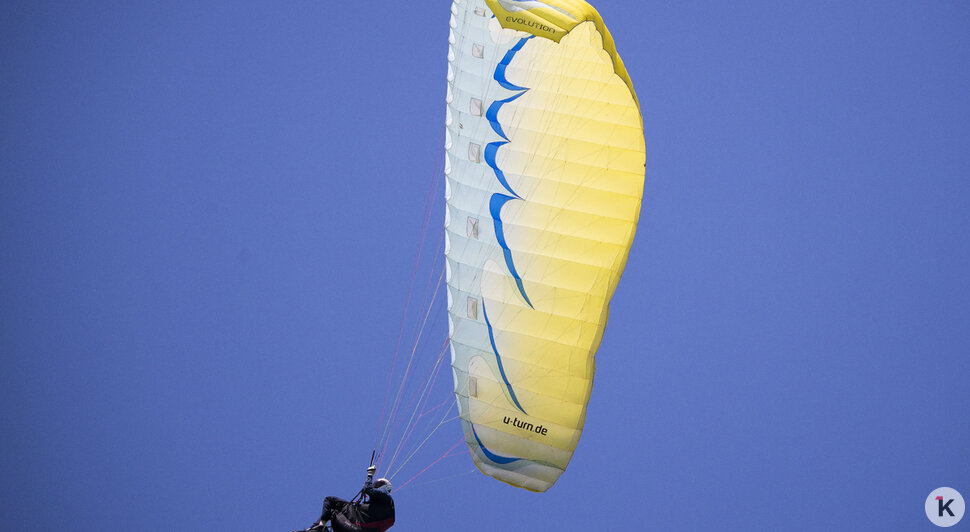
column 944, row 507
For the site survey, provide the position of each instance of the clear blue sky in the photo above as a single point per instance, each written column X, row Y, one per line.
column 210, row 213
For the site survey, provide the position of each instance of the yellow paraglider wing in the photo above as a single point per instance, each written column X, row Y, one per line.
column 544, row 166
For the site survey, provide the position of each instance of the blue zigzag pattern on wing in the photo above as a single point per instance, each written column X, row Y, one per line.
column 499, row 200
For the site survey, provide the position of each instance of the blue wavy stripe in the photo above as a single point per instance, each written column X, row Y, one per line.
column 495, row 207
column 500, row 70
column 492, row 114
column 498, row 358
column 490, row 150
column 489, row 454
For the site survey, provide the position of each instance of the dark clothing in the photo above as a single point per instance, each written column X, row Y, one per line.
column 373, row 515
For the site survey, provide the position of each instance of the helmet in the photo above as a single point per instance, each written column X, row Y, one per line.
column 383, row 485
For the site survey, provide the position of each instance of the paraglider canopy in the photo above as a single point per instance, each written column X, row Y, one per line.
column 544, row 166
